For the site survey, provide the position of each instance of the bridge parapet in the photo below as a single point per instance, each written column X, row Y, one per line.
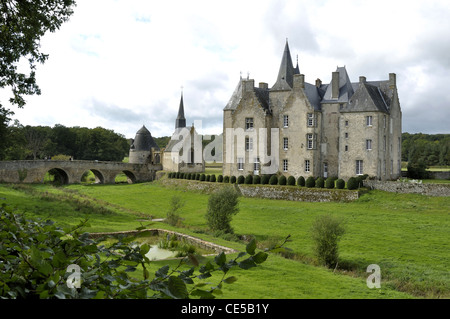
column 71, row 171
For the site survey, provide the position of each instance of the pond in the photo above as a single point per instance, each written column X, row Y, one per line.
column 156, row 253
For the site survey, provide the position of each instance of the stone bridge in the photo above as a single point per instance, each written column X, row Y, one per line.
column 70, row 172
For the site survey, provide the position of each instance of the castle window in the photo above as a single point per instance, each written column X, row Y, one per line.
column 346, row 123
column 249, row 123
column 286, row 121
column 256, row 164
column 346, row 148
column 285, row 143
column 240, row 163
column 369, row 120
column 285, row 165
column 311, row 120
column 368, row 145
column 307, row 166
column 359, row 167
column 346, row 135
column 310, row 141
column 249, row 144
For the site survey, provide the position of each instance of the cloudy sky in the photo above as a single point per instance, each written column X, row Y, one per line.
column 121, row 64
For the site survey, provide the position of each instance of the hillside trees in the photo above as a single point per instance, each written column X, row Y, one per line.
column 39, row 142
column 428, row 149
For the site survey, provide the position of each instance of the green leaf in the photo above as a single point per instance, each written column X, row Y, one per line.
column 230, row 280
column 220, row 259
column 162, row 272
column 145, row 249
column 177, row 288
column 203, row 294
column 251, row 246
column 247, row 263
column 260, row 257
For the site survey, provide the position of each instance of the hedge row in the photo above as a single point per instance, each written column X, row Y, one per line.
column 329, row 183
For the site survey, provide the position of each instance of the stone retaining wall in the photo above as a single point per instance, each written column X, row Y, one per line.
column 409, row 187
column 293, row 193
column 197, row 241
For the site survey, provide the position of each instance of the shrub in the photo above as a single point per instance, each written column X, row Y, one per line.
column 301, row 181
column 329, row 183
column 320, row 182
column 282, row 180
column 207, row 177
column 233, row 179
column 222, row 205
column 202, row 177
column 226, row 179
column 187, row 176
column 291, row 181
column 212, row 178
column 220, row 178
column 248, row 179
column 241, row 179
column 417, row 170
column 273, row 180
column 326, row 233
column 265, row 179
column 340, row 183
column 352, row 183
column 181, row 175
column 256, row 179
column 310, row 182
column 172, row 217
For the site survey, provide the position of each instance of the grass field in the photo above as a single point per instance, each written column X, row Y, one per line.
column 406, row 235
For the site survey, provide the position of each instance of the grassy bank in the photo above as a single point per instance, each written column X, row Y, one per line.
column 406, row 235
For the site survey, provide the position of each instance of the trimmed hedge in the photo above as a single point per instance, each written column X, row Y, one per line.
column 310, row 182
column 301, row 181
column 329, row 183
column 202, row 177
column 256, row 179
column 282, row 180
column 233, row 179
column 320, row 182
column 340, row 183
column 291, row 181
column 226, row 179
column 352, row 183
column 220, row 178
column 241, row 179
column 212, row 178
column 273, row 180
column 265, row 179
column 248, row 179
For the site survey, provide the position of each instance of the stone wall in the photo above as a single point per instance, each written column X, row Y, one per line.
column 293, row 193
column 409, row 187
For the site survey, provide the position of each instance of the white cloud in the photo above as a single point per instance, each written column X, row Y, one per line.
column 121, row 64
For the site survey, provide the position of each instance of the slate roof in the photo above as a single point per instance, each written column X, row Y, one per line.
column 181, row 120
column 285, row 79
column 346, row 89
column 143, row 141
column 368, row 98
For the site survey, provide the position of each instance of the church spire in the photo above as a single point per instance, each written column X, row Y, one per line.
column 286, row 73
column 181, row 120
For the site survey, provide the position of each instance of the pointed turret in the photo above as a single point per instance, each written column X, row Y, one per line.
column 181, row 120
column 286, row 73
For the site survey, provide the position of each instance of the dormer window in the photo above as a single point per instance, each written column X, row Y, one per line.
column 249, row 123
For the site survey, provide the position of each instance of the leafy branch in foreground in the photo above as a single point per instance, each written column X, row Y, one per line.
column 35, row 257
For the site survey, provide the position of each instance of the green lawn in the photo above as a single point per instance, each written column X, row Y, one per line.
column 406, row 235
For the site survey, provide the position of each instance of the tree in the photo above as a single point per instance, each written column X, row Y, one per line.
column 23, row 23
column 222, row 205
column 326, row 232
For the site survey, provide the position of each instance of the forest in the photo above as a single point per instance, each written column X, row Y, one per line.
column 429, row 149
column 80, row 143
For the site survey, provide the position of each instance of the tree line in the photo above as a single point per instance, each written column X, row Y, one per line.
column 428, row 149
column 80, row 143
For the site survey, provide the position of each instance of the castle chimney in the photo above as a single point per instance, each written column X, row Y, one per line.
column 248, row 85
column 318, row 83
column 263, row 85
column 392, row 80
column 362, row 80
column 299, row 81
column 335, row 85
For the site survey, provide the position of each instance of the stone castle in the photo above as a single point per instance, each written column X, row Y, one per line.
column 340, row 129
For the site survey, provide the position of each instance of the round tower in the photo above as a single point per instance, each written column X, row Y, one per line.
column 142, row 147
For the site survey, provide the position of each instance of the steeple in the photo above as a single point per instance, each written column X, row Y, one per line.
column 286, row 73
column 181, row 120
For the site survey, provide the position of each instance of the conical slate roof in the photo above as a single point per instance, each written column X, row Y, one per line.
column 143, row 141
column 181, row 120
column 286, row 73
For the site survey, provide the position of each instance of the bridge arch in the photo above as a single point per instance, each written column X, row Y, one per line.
column 98, row 176
column 57, row 176
column 130, row 177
